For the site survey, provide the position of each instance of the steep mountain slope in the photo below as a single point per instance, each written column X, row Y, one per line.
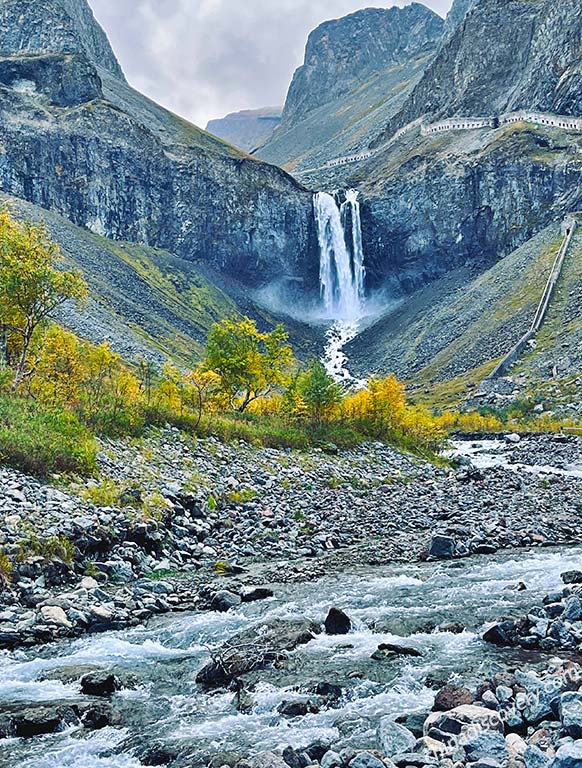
column 357, row 73
column 247, row 129
column 147, row 302
column 78, row 140
column 458, row 327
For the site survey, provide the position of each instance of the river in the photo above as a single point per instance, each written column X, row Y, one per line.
column 165, row 704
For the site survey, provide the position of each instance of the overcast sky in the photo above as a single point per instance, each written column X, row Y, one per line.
column 205, row 58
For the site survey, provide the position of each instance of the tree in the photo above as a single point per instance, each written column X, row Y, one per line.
column 31, row 286
column 319, row 391
column 250, row 364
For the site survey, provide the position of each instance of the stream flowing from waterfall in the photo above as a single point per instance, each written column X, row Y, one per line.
column 342, row 275
column 165, row 706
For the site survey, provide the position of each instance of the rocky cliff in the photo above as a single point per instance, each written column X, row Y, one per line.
column 76, row 139
column 507, row 55
column 356, row 75
column 55, row 26
column 247, row 129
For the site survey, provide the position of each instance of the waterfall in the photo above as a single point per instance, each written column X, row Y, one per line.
column 341, row 265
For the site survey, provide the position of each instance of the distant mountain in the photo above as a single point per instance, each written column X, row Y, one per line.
column 248, row 129
column 357, row 73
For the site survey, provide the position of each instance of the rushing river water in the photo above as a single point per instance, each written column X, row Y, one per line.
column 167, row 706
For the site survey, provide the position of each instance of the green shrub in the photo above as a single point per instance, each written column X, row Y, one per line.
column 55, row 546
column 41, row 441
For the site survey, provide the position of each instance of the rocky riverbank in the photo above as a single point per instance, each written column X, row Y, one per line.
column 168, row 515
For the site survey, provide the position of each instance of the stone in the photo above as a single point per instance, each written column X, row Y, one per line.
column 337, row 622
column 224, row 600
column 36, row 721
column 298, row 707
column 330, row 760
column 452, row 696
column 533, row 757
column 52, row 614
column 367, row 760
column 486, row 744
column 501, row 634
column 390, row 650
column 570, row 709
column 100, row 683
column 573, row 609
column 252, row 594
column 442, row 547
column 572, row 577
column 256, row 647
column 394, row 738
column 568, row 756
column 268, row 760
column 459, row 719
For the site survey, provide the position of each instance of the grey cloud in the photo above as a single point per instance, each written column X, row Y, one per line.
column 204, row 58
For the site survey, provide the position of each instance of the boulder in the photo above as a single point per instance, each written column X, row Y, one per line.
column 100, row 683
column 268, row 760
column 390, row 650
column 337, row 622
column 460, row 719
column 394, row 738
column 573, row 609
column 252, row 594
column 367, row 760
column 255, row 648
column 572, row 577
column 502, row 634
column 52, row 614
column 224, row 600
column 533, row 757
column 38, row 720
column 442, row 547
column 486, row 744
column 571, row 713
column 298, row 707
column 452, row 696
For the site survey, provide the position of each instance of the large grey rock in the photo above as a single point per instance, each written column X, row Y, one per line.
column 256, row 647
column 485, row 745
column 442, row 547
column 367, row 760
column 568, row 756
column 394, row 738
column 571, row 713
column 533, row 757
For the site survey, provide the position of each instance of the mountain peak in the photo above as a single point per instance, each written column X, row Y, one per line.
column 55, row 26
column 339, row 52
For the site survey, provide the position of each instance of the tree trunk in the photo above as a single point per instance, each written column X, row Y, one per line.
column 22, row 362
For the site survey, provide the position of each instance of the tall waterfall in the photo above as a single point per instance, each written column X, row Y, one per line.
column 341, row 267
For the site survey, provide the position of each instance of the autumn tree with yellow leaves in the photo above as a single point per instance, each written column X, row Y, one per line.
column 31, row 286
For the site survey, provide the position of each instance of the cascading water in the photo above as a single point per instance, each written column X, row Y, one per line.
column 342, row 274
column 342, row 271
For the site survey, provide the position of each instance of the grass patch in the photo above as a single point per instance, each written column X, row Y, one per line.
column 41, row 441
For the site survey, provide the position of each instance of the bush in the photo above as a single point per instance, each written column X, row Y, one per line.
column 41, row 441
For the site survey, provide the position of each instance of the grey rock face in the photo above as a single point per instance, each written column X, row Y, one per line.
column 456, row 15
column 342, row 51
column 65, row 81
column 125, row 168
column 55, row 26
column 509, row 54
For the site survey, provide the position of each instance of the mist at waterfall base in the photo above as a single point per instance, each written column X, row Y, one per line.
column 342, row 307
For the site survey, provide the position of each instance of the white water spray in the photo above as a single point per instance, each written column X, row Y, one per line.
column 341, row 266
column 341, row 276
